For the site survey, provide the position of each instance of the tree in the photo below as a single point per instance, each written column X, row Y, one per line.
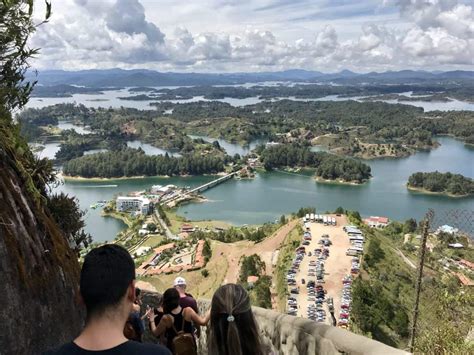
column 151, row 227
column 410, row 226
column 354, row 215
column 339, row 210
column 303, row 211
column 69, row 217
column 374, row 253
column 261, row 291
column 282, row 219
column 250, row 266
column 206, row 250
column 400, row 323
column 204, row 273
column 16, row 26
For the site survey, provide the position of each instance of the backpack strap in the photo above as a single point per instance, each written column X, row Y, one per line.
column 182, row 323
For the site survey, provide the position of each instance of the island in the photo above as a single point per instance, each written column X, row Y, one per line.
column 129, row 162
column 449, row 184
column 328, row 167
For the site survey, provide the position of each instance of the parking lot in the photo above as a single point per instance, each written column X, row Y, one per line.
column 318, row 271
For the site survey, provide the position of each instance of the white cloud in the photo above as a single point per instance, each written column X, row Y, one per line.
column 253, row 35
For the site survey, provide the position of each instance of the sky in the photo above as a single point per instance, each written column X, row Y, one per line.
column 256, row 35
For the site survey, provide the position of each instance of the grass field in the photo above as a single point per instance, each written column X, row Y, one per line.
column 153, row 241
column 177, row 221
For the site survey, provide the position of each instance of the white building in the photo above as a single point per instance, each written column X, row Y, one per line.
column 447, row 229
column 271, row 144
column 160, row 189
column 133, row 204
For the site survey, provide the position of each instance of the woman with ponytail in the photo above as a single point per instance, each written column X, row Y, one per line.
column 233, row 329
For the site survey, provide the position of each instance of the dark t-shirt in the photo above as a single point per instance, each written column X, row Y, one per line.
column 188, row 301
column 129, row 347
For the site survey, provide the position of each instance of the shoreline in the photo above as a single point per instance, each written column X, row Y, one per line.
column 427, row 192
column 340, row 182
column 60, row 175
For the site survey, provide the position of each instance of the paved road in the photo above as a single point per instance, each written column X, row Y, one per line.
column 168, row 232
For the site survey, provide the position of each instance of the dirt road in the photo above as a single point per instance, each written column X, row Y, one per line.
column 233, row 252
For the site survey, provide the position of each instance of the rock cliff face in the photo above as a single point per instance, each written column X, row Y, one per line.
column 38, row 271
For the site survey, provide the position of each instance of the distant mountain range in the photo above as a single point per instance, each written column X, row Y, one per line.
column 143, row 77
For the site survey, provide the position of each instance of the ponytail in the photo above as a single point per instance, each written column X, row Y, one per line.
column 233, row 339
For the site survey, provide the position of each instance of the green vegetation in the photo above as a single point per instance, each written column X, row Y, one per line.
column 207, row 251
column 360, row 129
column 37, row 175
column 132, row 162
column 384, row 293
column 303, row 211
column 65, row 210
column 234, row 234
column 260, row 294
column 163, row 214
column 285, row 259
column 328, row 166
column 443, row 183
column 250, row 266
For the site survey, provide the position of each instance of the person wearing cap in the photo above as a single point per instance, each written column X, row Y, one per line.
column 186, row 300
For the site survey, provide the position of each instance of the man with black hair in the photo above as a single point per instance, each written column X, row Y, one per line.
column 107, row 288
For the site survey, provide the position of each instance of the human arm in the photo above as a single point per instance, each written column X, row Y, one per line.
column 191, row 316
column 165, row 323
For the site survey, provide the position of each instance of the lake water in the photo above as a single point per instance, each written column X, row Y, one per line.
column 269, row 195
column 63, row 125
column 110, row 98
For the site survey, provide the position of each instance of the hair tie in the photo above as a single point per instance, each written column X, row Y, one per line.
column 230, row 318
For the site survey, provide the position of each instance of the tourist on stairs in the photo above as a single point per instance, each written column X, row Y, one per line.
column 176, row 324
column 186, row 299
column 233, row 329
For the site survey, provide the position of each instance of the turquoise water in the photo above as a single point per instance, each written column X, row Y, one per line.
column 269, row 195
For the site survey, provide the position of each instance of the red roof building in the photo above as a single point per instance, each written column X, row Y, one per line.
column 464, row 279
column 252, row 279
column 467, row 264
column 376, row 221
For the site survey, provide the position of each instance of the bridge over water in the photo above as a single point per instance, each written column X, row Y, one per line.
column 212, row 183
column 201, row 188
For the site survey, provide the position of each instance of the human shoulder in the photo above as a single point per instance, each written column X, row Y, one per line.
column 144, row 349
column 188, row 301
column 69, row 348
column 127, row 348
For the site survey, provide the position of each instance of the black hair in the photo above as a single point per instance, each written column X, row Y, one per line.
column 170, row 300
column 105, row 276
column 137, row 292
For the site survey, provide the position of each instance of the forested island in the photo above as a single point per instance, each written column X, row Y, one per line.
column 327, row 166
column 347, row 128
column 442, row 183
column 130, row 162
